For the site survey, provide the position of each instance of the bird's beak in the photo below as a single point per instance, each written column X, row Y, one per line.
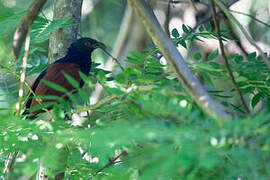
column 100, row 45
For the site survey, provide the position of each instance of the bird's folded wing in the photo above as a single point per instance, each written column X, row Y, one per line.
column 55, row 73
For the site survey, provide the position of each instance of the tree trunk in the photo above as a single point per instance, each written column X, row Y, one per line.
column 61, row 39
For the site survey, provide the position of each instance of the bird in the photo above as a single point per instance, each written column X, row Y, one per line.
column 77, row 59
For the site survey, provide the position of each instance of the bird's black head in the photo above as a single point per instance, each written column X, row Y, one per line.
column 85, row 46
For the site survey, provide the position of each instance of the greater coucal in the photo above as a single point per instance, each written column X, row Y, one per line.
column 78, row 58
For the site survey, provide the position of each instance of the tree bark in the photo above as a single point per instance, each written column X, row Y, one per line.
column 61, row 39
column 175, row 59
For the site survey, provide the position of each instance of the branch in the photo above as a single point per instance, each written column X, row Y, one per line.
column 225, row 58
column 26, row 23
column 23, row 73
column 242, row 29
column 178, row 64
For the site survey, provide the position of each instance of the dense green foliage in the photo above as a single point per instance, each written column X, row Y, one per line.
column 145, row 113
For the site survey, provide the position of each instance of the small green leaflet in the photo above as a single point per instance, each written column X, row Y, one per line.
column 175, row 33
column 213, row 55
column 183, row 43
column 197, row 56
column 72, row 81
column 185, row 29
column 55, row 86
column 251, row 56
column 256, row 99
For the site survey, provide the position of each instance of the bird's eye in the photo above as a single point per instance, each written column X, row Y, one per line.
column 87, row 44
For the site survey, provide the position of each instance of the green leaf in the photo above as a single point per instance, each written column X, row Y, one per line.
column 120, row 78
column 201, row 28
column 114, row 91
column 251, row 56
column 206, row 35
column 134, row 61
column 84, row 77
column 9, row 21
column 208, row 27
column 136, row 55
column 72, row 81
column 238, row 59
column 49, row 97
column 175, row 33
column 213, row 55
column 41, row 106
column 185, row 29
column 55, row 86
column 42, row 28
column 256, row 99
column 101, row 77
column 197, row 56
column 83, row 94
column 183, row 43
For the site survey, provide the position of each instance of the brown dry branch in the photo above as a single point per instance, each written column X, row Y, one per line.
column 24, row 26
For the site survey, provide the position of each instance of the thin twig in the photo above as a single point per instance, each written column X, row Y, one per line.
column 112, row 161
column 116, row 60
column 183, row 1
column 252, row 17
column 243, row 30
column 214, row 15
column 110, row 98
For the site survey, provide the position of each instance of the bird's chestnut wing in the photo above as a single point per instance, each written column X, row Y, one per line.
column 55, row 73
